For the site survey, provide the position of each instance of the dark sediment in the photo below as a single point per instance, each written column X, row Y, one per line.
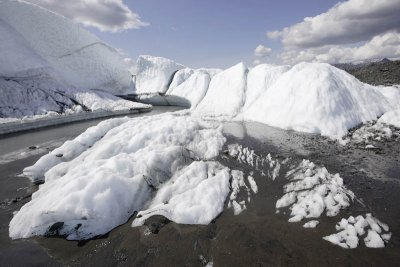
column 384, row 72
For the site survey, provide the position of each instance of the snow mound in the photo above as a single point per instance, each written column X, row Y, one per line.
column 96, row 181
column 353, row 228
column 226, row 93
column 313, row 190
column 317, row 98
column 154, row 74
column 260, row 79
column 68, row 52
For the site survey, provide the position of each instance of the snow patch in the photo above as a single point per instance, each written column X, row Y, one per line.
column 353, row 228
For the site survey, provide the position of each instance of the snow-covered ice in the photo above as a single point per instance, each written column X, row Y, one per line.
column 192, row 89
column 352, row 229
column 154, row 74
column 317, row 98
column 49, row 65
column 391, row 117
column 96, row 182
column 40, row 40
column 226, row 93
column 260, row 79
column 194, row 195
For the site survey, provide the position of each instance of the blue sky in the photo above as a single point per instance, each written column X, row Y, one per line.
column 209, row 33
column 221, row 33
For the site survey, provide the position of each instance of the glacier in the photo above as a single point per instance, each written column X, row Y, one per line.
column 50, row 65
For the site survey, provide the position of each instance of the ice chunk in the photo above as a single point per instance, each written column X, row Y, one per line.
column 313, row 190
column 351, row 229
column 374, row 240
column 311, row 224
column 253, row 184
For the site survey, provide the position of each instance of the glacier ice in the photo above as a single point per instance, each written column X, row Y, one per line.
column 226, row 93
column 98, row 180
column 154, row 74
column 49, row 65
column 74, row 55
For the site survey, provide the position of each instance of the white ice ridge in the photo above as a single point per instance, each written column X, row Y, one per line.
column 258, row 162
column 98, row 180
column 354, row 228
column 308, row 97
column 313, row 190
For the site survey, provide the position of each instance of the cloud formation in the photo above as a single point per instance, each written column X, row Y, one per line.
column 106, row 15
column 385, row 45
column 354, row 30
column 347, row 22
column 262, row 51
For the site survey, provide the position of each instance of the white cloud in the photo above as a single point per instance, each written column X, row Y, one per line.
column 106, row 15
column 273, row 35
column 381, row 46
column 347, row 22
column 354, row 30
column 262, row 51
